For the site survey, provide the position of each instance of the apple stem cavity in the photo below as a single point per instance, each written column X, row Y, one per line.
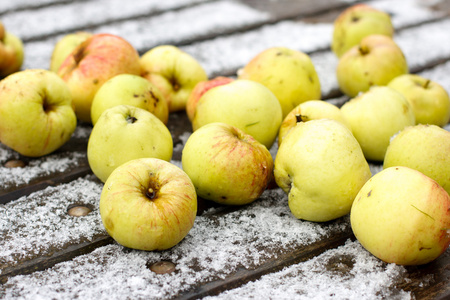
column 131, row 119
column 298, row 117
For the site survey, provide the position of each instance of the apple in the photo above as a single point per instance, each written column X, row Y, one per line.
column 245, row 104
column 148, row 204
column 402, row 216
column 36, row 114
column 123, row 133
column 376, row 60
column 288, row 73
column 227, row 165
column 174, row 72
column 425, row 148
column 321, row 167
column 201, row 88
column 131, row 90
column 357, row 22
column 375, row 116
column 429, row 100
column 310, row 110
column 65, row 46
column 11, row 52
column 92, row 63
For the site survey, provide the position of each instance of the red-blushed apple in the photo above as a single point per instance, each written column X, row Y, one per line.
column 357, row 22
column 130, row 90
column 123, row 133
column 429, row 100
column 425, row 148
column 289, row 74
column 36, row 114
column 148, row 204
column 174, row 72
column 198, row 91
column 227, row 165
column 92, row 63
column 376, row 60
column 65, row 46
column 245, row 104
column 11, row 52
column 310, row 110
column 402, row 216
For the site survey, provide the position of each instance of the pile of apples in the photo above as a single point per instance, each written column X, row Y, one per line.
column 401, row 214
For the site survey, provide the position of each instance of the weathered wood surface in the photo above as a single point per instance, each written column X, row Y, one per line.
column 231, row 252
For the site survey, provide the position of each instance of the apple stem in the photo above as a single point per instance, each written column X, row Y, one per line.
column 363, row 50
column 151, row 193
column 427, row 83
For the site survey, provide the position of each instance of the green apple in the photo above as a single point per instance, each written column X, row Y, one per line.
column 227, row 165
column 148, row 204
column 92, row 63
column 402, row 216
column 357, row 22
column 65, row 46
column 123, row 133
column 131, row 90
column 310, row 110
column 245, row 104
column 429, row 100
column 376, row 60
column 11, row 52
column 288, row 73
column 425, row 148
column 174, row 72
column 321, row 167
column 375, row 116
column 36, row 114
column 198, row 91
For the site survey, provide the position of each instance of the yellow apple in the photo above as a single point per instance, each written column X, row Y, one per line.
column 357, row 22
column 402, row 216
column 321, row 167
column 288, row 73
column 148, row 204
column 245, row 104
column 11, row 53
column 227, row 165
column 174, row 72
column 376, row 60
column 429, row 100
column 36, row 114
column 425, row 148
column 92, row 63
column 130, row 90
column 123, row 133
column 198, row 91
column 310, row 110
column 375, row 116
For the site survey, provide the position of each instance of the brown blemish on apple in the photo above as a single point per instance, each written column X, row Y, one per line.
column 95, row 81
column 369, row 193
